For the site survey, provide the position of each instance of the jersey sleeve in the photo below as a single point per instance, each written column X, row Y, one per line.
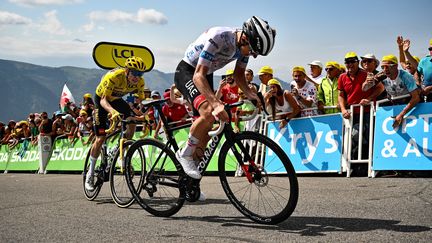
column 140, row 91
column 107, row 86
column 208, row 53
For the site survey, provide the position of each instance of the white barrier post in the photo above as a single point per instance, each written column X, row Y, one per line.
column 45, row 146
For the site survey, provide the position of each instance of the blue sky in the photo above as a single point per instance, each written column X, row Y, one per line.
column 64, row 32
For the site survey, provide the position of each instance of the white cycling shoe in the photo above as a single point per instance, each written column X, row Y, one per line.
column 202, row 197
column 89, row 183
column 189, row 166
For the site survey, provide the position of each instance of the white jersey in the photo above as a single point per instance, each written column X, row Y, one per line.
column 214, row 49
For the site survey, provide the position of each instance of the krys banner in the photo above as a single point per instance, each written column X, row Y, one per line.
column 108, row 55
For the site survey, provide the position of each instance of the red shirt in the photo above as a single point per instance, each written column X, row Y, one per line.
column 352, row 86
column 230, row 95
column 175, row 112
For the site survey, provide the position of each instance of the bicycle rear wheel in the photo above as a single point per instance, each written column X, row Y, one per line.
column 91, row 195
column 161, row 193
column 120, row 192
column 270, row 195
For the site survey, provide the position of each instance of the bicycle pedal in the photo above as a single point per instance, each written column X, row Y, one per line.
column 193, row 195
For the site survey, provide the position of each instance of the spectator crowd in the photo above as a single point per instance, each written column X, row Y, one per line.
column 325, row 89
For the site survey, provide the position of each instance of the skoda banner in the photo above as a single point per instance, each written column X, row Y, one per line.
column 407, row 147
column 108, row 55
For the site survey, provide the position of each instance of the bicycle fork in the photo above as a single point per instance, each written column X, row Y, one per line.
column 251, row 170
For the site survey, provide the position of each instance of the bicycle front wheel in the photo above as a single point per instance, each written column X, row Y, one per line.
column 269, row 193
column 120, row 192
column 160, row 193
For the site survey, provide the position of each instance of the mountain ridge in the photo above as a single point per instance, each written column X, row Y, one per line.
column 28, row 88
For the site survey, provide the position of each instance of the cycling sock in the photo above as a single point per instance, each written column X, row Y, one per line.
column 92, row 165
column 190, row 146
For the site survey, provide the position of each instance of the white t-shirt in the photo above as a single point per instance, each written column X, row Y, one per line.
column 309, row 92
column 318, row 79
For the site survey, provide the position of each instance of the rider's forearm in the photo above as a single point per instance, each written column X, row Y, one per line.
column 204, row 88
column 106, row 105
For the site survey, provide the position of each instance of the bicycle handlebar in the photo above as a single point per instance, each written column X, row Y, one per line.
column 229, row 106
column 115, row 122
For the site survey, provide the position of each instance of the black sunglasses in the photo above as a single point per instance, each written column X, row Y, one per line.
column 430, row 48
column 351, row 61
column 329, row 69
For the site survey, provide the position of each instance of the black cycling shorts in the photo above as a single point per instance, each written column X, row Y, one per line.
column 184, row 83
column 100, row 115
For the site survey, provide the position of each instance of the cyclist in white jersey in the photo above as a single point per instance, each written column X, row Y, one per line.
column 214, row 49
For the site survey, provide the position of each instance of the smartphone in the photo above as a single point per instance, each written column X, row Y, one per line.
column 223, row 76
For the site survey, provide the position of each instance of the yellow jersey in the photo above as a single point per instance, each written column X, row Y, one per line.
column 114, row 85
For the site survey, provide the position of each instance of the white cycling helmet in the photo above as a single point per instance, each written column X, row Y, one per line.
column 261, row 36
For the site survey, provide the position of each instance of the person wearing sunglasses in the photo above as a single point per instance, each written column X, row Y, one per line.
column 397, row 83
column 425, row 70
column 327, row 89
column 108, row 100
column 211, row 51
column 351, row 93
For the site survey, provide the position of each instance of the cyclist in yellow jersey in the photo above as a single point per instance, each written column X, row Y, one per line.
column 108, row 99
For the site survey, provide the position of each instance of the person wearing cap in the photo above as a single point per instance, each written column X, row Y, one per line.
column 304, row 92
column 397, row 83
column 350, row 86
column 407, row 61
column 351, row 93
column 87, row 104
column 85, row 125
column 279, row 100
column 425, row 70
column 265, row 74
column 155, row 95
column 70, row 127
column 316, row 68
column 327, row 90
column 58, row 125
column 370, row 64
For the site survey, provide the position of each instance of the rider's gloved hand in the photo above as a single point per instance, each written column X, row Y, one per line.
column 114, row 115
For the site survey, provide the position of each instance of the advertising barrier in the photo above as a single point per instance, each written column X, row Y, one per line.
column 313, row 144
column 23, row 157
column 4, row 157
column 408, row 147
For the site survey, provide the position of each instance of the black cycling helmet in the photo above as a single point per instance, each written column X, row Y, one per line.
column 261, row 36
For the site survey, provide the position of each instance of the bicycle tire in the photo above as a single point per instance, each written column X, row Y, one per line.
column 161, row 193
column 91, row 195
column 270, row 199
column 120, row 192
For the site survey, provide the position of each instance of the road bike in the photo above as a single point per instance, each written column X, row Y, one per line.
column 267, row 193
column 110, row 167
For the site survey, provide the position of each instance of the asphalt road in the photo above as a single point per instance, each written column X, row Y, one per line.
column 52, row 208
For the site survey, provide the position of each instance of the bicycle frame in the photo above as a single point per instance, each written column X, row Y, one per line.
column 209, row 151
